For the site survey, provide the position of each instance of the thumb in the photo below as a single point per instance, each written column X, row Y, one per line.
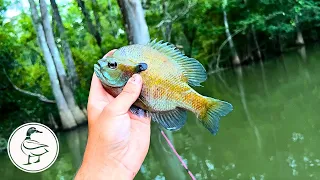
column 130, row 93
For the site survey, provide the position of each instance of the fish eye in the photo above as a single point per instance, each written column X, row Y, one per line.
column 112, row 65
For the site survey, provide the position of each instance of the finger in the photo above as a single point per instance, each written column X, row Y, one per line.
column 130, row 93
column 98, row 99
column 97, row 92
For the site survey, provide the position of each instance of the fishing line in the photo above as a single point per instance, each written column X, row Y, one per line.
column 178, row 156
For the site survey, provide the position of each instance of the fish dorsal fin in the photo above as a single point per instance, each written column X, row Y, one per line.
column 190, row 67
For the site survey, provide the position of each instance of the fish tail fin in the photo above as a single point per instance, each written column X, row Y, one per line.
column 213, row 110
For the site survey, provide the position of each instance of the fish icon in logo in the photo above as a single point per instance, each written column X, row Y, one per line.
column 33, row 148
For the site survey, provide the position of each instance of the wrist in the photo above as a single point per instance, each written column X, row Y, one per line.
column 98, row 165
column 110, row 170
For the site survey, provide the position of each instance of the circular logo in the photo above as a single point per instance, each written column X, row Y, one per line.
column 33, row 147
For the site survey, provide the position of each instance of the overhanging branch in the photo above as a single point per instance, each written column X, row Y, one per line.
column 39, row 96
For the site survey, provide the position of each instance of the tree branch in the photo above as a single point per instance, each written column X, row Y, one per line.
column 39, row 96
column 222, row 45
column 171, row 19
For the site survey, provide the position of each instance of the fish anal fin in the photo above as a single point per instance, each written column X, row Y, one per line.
column 170, row 120
column 190, row 67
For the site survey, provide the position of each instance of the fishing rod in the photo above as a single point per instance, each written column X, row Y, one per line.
column 176, row 153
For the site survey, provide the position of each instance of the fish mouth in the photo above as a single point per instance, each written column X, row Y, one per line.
column 103, row 79
column 97, row 70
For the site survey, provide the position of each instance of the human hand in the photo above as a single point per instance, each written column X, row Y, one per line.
column 118, row 140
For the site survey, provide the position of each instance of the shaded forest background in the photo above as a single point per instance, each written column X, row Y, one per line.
column 47, row 52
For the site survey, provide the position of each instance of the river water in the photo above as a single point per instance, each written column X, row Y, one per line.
column 272, row 133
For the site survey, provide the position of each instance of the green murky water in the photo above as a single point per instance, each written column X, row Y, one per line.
column 273, row 132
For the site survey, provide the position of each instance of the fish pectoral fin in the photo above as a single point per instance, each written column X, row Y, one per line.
column 171, row 120
column 190, row 67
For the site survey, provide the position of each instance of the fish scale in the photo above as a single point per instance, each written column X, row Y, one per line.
column 168, row 80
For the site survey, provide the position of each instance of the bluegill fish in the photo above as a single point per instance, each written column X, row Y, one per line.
column 168, row 77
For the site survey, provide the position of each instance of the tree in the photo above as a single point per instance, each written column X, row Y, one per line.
column 235, row 56
column 73, row 77
column 176, row 12
column 67, row 92
column 135, row 23
column 65, row 113
column 96, row 10
column 300, row 39
column 90, row 27
column 254, row 35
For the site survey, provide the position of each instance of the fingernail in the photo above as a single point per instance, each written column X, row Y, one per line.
column 136, row 79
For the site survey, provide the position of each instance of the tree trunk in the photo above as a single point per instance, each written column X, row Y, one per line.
column 68, row 94
column 135, row 23
column 281, row 46
column 249, row 49
column 235, row 57
column 303, row 53
column 167, row 26
column 254, row 35
column 255, row 39
column 71, row 68
column 66, row 116
column 91, row 28
column 95, row 8
column 109, row 5
column 52, row 121
column 300, row 40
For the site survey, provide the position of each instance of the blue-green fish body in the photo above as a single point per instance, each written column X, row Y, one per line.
column 168, row 77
